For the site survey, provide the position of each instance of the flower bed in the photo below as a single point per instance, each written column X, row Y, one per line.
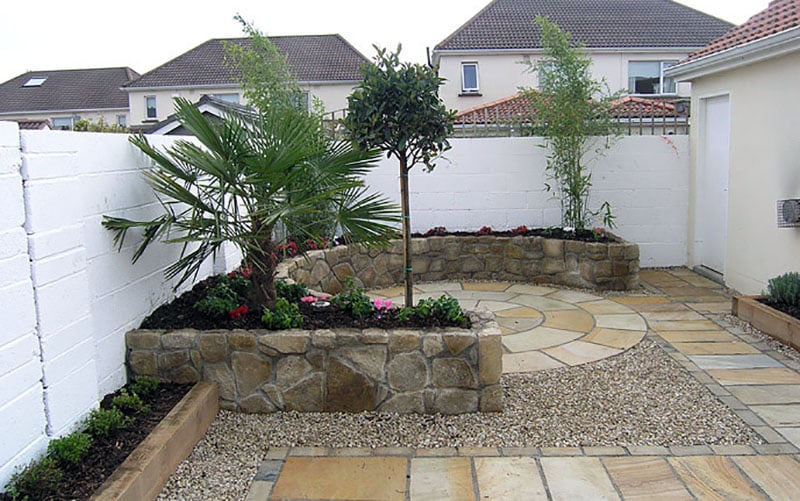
column 612, row 265
column 449, row 371
column 785, row 328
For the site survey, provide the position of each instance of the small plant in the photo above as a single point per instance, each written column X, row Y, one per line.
column 437, row 231
column 144, row 386
column 129, row 403
column 353, row 300
column 69, row 450
column 104, row 422
column 225, row 296
column 444, row 309
column 291, row 292
column 288, row 250
column 239, row 313
column 599, row 233
column 38, row 480
column 520, row 230
column 286, row 315
column 785, row 289
column 485, row 230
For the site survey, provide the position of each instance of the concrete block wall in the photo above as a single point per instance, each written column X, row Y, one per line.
column 499, row 182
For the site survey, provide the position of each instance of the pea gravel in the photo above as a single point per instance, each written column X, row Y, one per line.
column 640, row 397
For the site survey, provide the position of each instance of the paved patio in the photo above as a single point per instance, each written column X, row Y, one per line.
column 546, row 327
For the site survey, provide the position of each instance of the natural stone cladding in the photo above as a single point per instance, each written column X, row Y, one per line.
column 449, row 371
column 597, row 265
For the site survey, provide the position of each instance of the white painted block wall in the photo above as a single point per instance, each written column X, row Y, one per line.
column 499, row 182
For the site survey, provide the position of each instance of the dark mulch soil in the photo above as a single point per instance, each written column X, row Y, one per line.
column 789, row 309
column 181, row 314
column 559, row 233
column 105, row 455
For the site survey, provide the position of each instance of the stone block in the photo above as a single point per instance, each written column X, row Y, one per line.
column 553, row 248
column 360, row 262
column 491, row 359
column 178, row 339
column 347, row 390
column 407, row 372
column 405, row 403
column 184, row 375
column 419, row 246
column 274, row 394
column 143, row 363
column 403, row 341
column 251, row 370
column 458, row 342
column 375, row 336
column 324, row 339
column 471, row 264
column 172, row 359
column 370, row 360
column 513, row 266
column 574, row 247
column 455, row 402
column 305, row 396
column 491, row 399
column 256, row 403
column 290, row 370
column 343, row 271
column 514, row 251
column 432, row 344
column 286, row 342
column 223, row 376
column 143, row 339
column 213, row 347
column 494, row 264
column 242, row 341
column 631, row 251
column 319, row 272
column 453, row 373
column 435, row 244
column 553, row 266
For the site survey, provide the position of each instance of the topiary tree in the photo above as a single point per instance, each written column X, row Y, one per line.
column 397, row 108
column 572, row 112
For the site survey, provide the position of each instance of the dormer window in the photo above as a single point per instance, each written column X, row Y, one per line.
column 34, row 82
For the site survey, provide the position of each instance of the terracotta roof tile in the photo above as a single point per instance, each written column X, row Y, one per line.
column 508, row 24
column 781, row 15
column 312, row 58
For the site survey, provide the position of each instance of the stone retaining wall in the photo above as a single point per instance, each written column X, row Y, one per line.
column 605, row 266
column 450, row 371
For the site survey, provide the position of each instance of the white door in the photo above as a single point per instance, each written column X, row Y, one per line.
column 711, row 201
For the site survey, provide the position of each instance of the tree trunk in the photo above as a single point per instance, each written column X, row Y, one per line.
column 404, row 206
column 264, row 264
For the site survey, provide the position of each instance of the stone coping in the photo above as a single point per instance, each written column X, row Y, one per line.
column 598, row 265
column 146, row 470
column 785, row 328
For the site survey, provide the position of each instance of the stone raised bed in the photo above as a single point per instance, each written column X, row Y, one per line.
column 450, row 371
column 596, row 265
column 785, row 328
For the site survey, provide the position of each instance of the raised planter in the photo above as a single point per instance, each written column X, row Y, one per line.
column 785, row 328
column 450, row 371
column 597, row 265
column 147, row 469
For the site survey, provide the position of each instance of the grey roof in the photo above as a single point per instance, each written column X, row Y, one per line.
column 312, row 58
column 508, row 24
column 87, row 89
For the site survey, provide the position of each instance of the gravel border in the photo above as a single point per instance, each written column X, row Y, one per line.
column 638, row 398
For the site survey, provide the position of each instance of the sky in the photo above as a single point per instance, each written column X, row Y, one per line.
column 57, row 34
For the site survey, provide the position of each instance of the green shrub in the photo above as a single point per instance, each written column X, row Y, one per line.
column 286, row 315
column 225, row 296
column 37, row 481
column 444, row 309
column 353, row 300
column 144, row 386
column 104, row 422
column 290, row 292
column 70, row 449
column 785, row 289
column 129, row 403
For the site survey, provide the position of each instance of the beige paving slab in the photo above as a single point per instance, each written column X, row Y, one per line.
column 466, row 304
column 441, row 478
column 792, row 435
column 578, row 352
column 542, row 303
column 662, row 307
column 392, row 291
column 722, row 348
column 712, row 307
column 605, row 306
column 754, row 376
column 683, row 325
column 688, row 291
column 529, row 361
column 486, row 286
column 517, row 324
column 439, row 286
column 501, row 478
column 538, row 338
column 616, row 338
column 713, row 477
column 496, row 306
column 653, row 316
column 639, row 300
column 778, row 476
column 767, row 394
column 657, row 276
column 259, row 490
column 342, row 478
column 482, row 295
column 573, row 320
column 697, row 336
column 576, row 478
column 779, row 415
column 519, row 312
column 645, row 478
column 534, row 290
column 571, row 296
column 631, row 322
column 699, row 281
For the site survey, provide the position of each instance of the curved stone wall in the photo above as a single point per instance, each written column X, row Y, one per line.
column 597, row 265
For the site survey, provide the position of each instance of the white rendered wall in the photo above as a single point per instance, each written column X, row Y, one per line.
column 499, row 182
column 764, row 167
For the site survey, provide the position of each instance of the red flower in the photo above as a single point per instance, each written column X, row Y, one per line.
column 238, row 313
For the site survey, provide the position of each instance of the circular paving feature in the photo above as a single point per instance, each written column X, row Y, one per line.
column 542, row 327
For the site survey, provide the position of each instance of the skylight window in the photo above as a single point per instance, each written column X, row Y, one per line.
column 34, row 82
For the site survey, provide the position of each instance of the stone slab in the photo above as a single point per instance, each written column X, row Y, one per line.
column 683, row 325
column 697, row 336
column 605, row 306
column 713, row 477
column 441, row 478
column 543, row 303
column 529, row 361
column 579, row 352
column 779, row 415
column 723, row 348
column 767, row 394
column 572, row 296
column 645, row 478
column 538, row 338
column 342, row 478
column 735, row 361
column 615, row 338
column 791, row 434
column 577, row 478
column 754, row 376
column 573, row 320
column 519, row 312
column 486, row 286
column 631, row 322
column 778, row 476
column 509, row 478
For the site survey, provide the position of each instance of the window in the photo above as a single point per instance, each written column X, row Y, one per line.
column 150, row 106
column 64, row 123
column 469, row 78
column 647, row 77
column 122, row 120
column 34, row 82
column 228, row 98
column 301, row 100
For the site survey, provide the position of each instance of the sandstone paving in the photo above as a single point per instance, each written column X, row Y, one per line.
column 634, row 300
column 779, row 415
column 518, row 312
column 577, row 478
column 777, row 476
column 486, row 286
column 682, row 325
column 718, row 335
column 529, row 361
column 342, row 478
column 604, row 306
column 735, row 361
column 615, row 338
column 496, row 306
column 715, row 348
column 538, row 338
column 714, row 477
column 509, row 478
column 543, row 303
column 441, row 478
column 629, row 321
column 533, row 290
column 572, row 296
column 579, row 352
column 646, row 478
column 792, row 434
column 723, row 306
column 438, row 286
column 482, row 295
column 574, row 320
column 755, row 376
column 519, row 324
column 672, row 315
column 767, row 394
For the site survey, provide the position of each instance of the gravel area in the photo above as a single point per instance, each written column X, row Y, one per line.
column 641, row 397
column 770, row 341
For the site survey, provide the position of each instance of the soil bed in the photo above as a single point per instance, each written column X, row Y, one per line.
column 105, row 455
column 559, row 233
column 181, row 314
column 789, row 309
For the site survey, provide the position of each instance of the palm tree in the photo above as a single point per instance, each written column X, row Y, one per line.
column 248, row 174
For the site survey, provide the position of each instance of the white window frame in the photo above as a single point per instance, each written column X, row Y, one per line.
column 71, row 121
column 232, row 97
column 663, row 65
column 147, row 108
column 464, row 88
column 35, row 81
column 122, row 120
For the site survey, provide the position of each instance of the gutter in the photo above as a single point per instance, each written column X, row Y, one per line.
column 79, row 110
column 771, row 46
column 438, row 53
column 227, row 86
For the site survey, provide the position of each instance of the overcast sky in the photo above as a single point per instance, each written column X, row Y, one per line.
column 143, row 34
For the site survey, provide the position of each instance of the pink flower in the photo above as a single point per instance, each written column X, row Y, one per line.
column 382, row 304
column 308, row 299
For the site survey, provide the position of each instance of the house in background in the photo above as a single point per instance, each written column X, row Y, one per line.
column 326, row 66
column 745, row 143
column 631, row 44
column 64, row 96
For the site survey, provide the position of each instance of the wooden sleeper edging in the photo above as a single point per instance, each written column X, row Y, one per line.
column 785, row 328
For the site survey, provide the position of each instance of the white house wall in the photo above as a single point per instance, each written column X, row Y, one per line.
column 502, row 74
column 764, row 167
column 109, row 116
